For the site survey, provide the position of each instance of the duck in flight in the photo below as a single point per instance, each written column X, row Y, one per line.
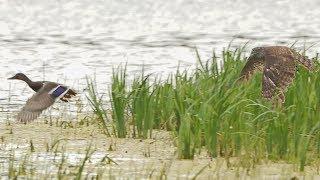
column 278, row 64
column 46, row 94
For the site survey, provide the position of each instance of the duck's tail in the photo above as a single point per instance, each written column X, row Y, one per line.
column 68, row 95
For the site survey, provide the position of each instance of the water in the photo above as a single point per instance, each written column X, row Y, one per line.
column 66, row 41
column 56, row 147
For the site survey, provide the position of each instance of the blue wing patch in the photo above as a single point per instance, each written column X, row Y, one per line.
column 58, row 91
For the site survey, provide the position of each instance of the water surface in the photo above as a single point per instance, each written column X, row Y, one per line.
column 66, row 41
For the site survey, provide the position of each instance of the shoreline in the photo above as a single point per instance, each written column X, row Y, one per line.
column 126, row 157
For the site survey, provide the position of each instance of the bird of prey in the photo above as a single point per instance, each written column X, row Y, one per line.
column 46, row 94
column 278, row 64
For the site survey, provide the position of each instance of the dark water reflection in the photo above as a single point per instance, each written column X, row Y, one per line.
column 75, row 39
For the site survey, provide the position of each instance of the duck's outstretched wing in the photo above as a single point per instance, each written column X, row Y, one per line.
column 40, row 101
column 278, row 74
column 255, row 63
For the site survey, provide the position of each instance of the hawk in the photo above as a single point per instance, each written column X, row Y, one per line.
column 278, row 64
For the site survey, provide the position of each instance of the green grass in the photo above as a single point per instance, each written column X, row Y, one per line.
column 88, row 154
column 142, row 107
column 96, row 103
column 119, row 101
column 208, row 108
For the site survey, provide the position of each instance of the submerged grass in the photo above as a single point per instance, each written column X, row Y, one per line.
column 209, row 108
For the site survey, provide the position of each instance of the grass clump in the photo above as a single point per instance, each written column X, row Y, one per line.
column 208, row 108
column 142, row 107
column 119, row 101
column 96, row 103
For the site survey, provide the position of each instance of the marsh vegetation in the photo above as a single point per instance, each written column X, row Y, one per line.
column 207, row 108
column 192, row 124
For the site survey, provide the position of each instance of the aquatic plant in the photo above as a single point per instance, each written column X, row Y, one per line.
column 97, row 106
column 87, row 156
column 119, row 101
column 209, row 108
column 142, row 106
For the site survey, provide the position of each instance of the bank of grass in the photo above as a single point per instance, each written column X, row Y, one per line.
column 208, row 108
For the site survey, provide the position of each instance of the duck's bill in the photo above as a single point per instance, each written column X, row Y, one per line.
column 11, row 78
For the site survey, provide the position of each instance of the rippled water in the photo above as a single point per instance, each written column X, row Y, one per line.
column 66, row 41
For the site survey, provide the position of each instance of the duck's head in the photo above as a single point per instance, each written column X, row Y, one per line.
column 19, row 76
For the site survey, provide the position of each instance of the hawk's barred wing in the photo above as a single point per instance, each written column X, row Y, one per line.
column 278, row 74
column 253, row 64
column 279, row 67
column 303, row 60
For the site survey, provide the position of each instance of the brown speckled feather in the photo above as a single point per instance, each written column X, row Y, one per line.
column 279, row 67
column 255, row 63
column 278, row 74
column 303, row 60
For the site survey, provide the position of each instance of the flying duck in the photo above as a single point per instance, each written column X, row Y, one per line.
column 46, row 94
column 278, row 64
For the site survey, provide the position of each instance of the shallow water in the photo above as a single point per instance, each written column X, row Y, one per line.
column 132, row 158
column 66, row 41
